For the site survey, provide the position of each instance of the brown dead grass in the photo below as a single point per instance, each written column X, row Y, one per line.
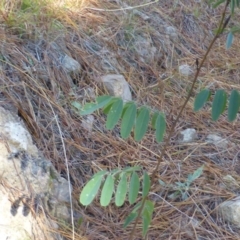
column 32, row 81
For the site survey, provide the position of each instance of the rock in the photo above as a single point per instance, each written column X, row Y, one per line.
column 217, row 141
column 87, row 123
column 188, row 135
column 117, row 86
column 230, row 182
column 71, row 65
column 145, row 49
column 185, row 70
column 230, row 211
column 172, row 33
column 16, row 133
column 34, row 181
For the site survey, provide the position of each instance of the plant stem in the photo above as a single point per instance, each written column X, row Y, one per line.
column 221, row 27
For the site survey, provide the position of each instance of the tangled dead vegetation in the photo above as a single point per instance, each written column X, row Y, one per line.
column 147, row 52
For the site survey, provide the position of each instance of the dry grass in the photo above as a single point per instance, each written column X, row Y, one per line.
column 32, row 83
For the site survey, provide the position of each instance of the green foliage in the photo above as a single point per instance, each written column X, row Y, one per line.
column 182, row 188
column 142, row 121
column 229, row 41
column 133, row 188
column 146, row 215
column 90, row 190
column 119, row 178
column 201, row 98
column 146, row 184
column 219, row 103
column 119, row 184
column 128, row 120
column 131, row 117
column 234, row 105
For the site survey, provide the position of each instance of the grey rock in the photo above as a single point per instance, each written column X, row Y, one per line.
column 117, row 86
column 188, row 135
column 172, row 33
column 217, row 141
column 185, row 70
column 33, row 179
column 87, row 123
column 230, row 211
column 71, row 65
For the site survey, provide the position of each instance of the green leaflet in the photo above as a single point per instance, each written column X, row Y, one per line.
column 147, row 215
column 114, row 114
column 91, row 188
column 154, row 119
column 234, row 104
column 89, row 108
column 160, row 127
column 146, row 184
column 219, row 104
column 141, row 123
column 230, row 39
column 196, row 174
column 128, row 120
column 121, row 191
column 130, row 218
column 201, row 99
column 107, row 191
column 133, row 188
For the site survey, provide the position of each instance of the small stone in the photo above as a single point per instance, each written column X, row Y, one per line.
column 171, row 32
column 185, row 70
column 87, row 123
column 71, row 65
column 117, row 86
column 230, row 211
column 217, row 141
column 188, row 135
